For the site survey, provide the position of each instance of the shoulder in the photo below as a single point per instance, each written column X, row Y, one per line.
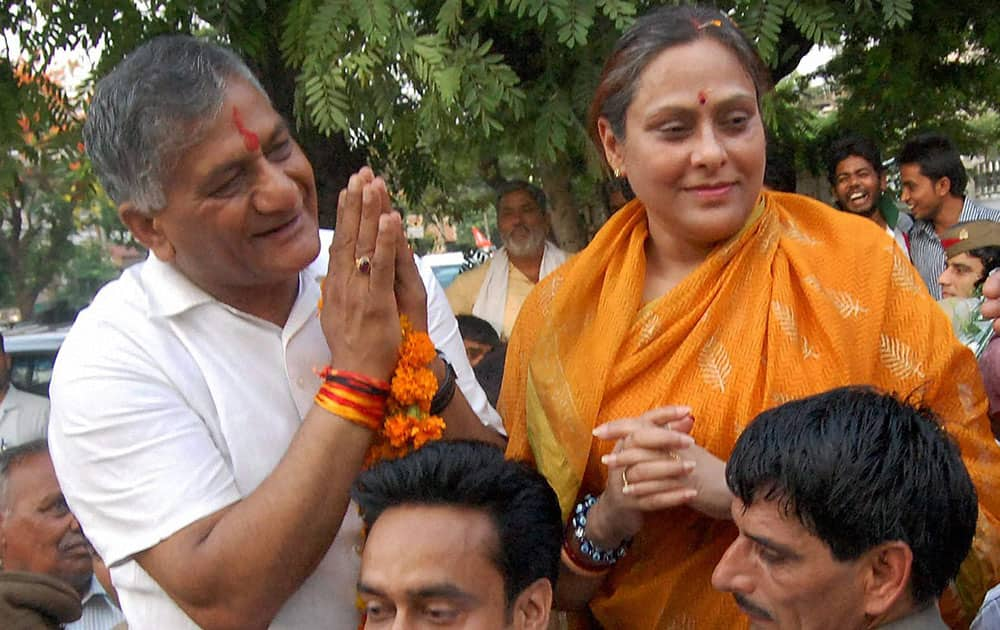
column 469, row 280
column 975, row 210
column 813, row 225
column 27, row 399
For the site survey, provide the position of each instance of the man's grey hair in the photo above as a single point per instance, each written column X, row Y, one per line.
column 12, row 456
column 155, row 104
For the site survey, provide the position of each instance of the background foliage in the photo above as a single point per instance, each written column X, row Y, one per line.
column 449, row 97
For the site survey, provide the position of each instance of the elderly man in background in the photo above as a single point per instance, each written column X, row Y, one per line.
column 23, row 417
column 194, row 431
column 496, row 290
column 40, row 535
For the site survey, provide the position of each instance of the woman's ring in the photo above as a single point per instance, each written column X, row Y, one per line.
column 625, row 480
column 363, row 264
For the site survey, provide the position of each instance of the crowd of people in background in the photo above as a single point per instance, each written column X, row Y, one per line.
column 736, row 407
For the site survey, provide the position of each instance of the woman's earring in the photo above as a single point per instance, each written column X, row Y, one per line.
column 618, row 173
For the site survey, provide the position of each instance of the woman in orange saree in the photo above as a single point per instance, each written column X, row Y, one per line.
column 706, row 294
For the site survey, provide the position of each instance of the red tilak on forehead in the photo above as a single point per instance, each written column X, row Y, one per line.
column 702, row 97
column 250, row 139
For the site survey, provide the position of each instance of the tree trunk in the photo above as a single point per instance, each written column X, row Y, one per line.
column 26, row 299
column 563, row 213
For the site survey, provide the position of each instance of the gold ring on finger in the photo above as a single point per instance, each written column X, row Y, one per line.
column 363, row 264
column 625, row 483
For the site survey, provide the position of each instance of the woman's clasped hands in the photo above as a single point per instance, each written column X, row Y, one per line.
column 656, row 465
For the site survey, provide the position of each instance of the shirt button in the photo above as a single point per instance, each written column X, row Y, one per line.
column 301, row 382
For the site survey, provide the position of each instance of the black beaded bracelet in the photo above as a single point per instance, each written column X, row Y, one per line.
column 446, row 390
column 599, row 556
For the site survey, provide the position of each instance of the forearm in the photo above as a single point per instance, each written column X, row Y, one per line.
column 237, row 567
column 461, row 421
column 714, row 498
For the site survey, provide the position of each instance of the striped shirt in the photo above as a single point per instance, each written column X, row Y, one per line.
column 99, row 612
column 926, row 251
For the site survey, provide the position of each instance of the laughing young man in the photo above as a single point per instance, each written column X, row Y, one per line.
column 858, row 180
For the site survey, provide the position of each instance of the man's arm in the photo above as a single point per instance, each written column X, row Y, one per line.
column 292, row 518
column 237, row 567
column 470, row 414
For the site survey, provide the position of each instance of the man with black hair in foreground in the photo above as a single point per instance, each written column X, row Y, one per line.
column 458, row 537
column 854, row 511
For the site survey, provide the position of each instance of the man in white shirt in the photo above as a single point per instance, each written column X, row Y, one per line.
column 184, row 429
column 23, row 417
column 42, row 536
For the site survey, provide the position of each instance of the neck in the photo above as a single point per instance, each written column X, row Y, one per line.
column 901, row 609
column 668, row 261
column 272, row 304
column 951, row 210
column 877, row 217
column 529, row 265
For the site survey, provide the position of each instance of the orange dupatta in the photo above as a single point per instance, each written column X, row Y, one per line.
column 802, row 300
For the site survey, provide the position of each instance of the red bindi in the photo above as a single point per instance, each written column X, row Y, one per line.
column 250, row 139
column 702, row 97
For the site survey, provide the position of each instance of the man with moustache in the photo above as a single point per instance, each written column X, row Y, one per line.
column 39, row 534
column 854, row 512
column 858, row 181
column 934, row 180
column 496, row 290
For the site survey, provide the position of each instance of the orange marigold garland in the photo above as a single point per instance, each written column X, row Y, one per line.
column 408, row 423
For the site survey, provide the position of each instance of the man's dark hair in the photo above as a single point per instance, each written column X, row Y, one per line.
column 536, row 193
column 474, row 328
column 849, row 146
column 523, row 507
column 990, row 257
column 937, row 158
column 3, row 348
column 859, row 468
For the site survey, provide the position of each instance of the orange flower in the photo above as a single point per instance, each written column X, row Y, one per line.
column 432, row 428
column 411, row 387
column 408, row 424
column 417, row 350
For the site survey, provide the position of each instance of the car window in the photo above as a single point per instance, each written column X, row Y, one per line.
column 32, row 372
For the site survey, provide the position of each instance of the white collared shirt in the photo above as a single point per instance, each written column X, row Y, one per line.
column 99, row 612
column 168, row 405
column 24, row 417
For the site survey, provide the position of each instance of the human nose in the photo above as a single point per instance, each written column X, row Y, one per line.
column 276, row 191
column 729, row 576
column 708, row 150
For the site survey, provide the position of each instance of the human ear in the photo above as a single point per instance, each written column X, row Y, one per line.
column 883, row 182
column 533, row 606
column 943, row 186
column 612, row 147
column 887, row 577
column 148, row 230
